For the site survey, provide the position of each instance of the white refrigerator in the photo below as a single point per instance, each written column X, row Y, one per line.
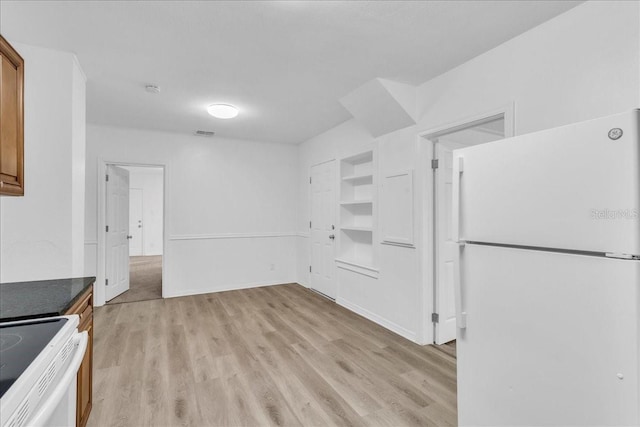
column 548, row 277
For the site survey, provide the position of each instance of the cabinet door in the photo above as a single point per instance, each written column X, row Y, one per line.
column 85, row 376
column 11, row 121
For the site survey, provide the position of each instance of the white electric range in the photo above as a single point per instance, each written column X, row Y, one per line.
column 39, row 361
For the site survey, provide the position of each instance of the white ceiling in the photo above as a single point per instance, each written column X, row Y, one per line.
column 285, row 64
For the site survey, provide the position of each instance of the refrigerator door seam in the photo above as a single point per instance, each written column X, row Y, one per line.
column 627, row 257
column 622, row 256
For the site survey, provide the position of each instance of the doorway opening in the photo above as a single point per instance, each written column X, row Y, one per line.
column 134, row 233
column 443, row 142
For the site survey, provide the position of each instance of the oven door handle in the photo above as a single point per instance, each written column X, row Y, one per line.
column 46, row 408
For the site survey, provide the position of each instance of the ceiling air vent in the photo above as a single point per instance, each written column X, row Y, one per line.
column 206, row 133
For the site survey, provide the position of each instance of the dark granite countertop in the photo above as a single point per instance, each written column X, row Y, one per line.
column 42, row 298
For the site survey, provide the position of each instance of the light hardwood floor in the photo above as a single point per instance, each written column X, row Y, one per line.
column 279, row 355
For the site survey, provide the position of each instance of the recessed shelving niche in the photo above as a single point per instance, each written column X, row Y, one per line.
column 357, row 213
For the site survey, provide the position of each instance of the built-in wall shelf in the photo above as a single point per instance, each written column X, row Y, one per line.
column 358, row 229
column 357, row 213
column 360, row 179
column 356, row 202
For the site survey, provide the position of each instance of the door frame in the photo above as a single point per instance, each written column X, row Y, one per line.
column 336, row 242
column 428, row 262
column 101, row 253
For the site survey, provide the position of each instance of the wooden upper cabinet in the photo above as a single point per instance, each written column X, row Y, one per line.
column 11, row 121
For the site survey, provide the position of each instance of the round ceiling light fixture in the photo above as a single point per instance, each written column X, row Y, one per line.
column 222, row 111
column 152, row 88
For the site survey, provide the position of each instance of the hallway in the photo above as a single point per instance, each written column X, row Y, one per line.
column 145, row 275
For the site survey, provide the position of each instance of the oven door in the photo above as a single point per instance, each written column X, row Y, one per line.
column 58, row 406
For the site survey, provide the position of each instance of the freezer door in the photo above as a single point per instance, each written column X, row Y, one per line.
column 576, row 187
column 551, row 339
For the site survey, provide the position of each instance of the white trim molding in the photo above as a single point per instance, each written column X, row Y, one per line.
column 357, row 268
column 393, row 327
column 399, row 245
column 507, row 111
column 226, row 236
column 189, row 292
column 390, row 209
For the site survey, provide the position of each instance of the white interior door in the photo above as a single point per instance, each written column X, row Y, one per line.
column 445, row 247
column 323, row 231
column 135, row 222
column 117, row 253
column 445, row 328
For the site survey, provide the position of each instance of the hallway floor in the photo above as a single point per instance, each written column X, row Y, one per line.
column 145, row 280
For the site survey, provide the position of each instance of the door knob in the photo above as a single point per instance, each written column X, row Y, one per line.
column 332, row 236
column 129, row 237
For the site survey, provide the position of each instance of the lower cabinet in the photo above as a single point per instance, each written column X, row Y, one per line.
column 84, row 308
column 85, row 377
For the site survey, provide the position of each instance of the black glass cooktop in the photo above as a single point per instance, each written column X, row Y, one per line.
column 20, row 344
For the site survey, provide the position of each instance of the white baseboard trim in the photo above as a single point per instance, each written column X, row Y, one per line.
column 393, row 327
column 189, row 292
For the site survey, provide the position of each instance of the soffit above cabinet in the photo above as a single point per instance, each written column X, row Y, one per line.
column 382, row 106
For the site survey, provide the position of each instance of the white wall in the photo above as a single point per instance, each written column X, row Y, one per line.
column 41, row 236
column 394, row 298
column 78, row 152
column 151, row 182
column 230, row 206
column 336, row 143
column 581, row 65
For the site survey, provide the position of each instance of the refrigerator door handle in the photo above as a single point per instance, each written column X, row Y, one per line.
column 461, row 314
column 455, row 196
column 458, row 169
